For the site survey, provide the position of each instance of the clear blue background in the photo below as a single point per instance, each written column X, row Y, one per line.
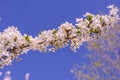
column 33, row 16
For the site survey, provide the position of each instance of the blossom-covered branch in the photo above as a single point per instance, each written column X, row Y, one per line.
column 103, row 58
column 13, row 43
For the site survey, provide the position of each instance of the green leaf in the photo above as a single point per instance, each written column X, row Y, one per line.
column 78, row 31
column 54, row 31
column 97, row 31
column 92, row 30
column 100, row 18
column 89, row 17
column 27, row 38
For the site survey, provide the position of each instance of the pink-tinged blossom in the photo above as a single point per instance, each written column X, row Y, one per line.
column 0, row 73
column 27, row 76
column 7, row 76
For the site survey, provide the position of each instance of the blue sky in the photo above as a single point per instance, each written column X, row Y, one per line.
column 33, row 16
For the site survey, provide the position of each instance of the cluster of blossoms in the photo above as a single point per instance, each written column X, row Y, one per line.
column 103, row 65
column 13, row 43
column 103, row 57
column 7, row 76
